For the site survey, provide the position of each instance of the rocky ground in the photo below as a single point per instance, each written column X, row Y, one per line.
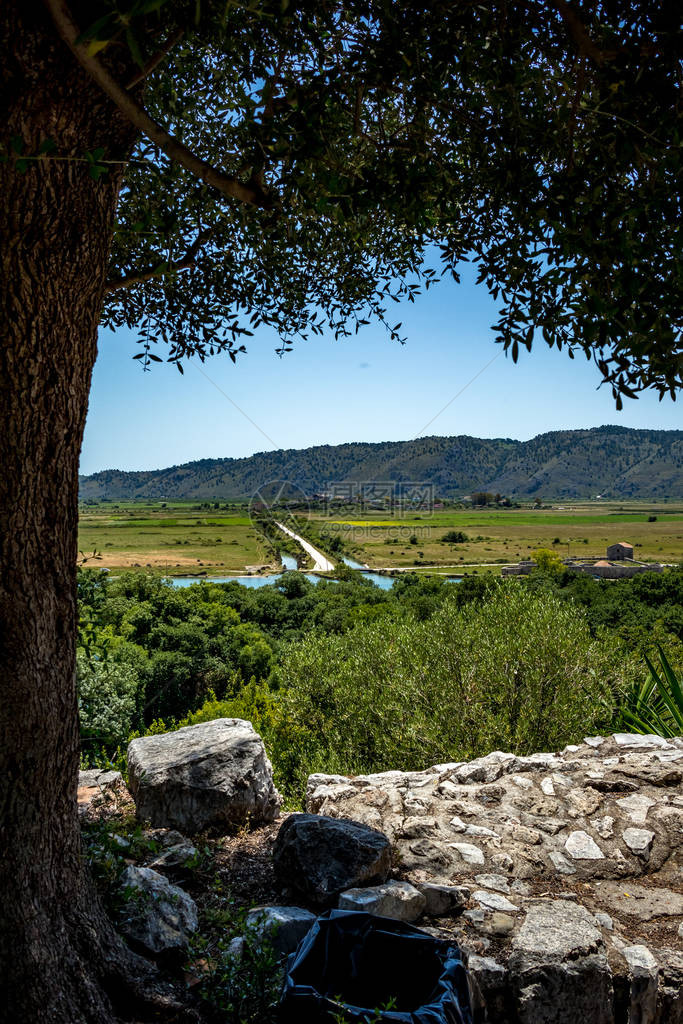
column 559, row 875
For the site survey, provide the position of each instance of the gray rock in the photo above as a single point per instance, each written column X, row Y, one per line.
column 398, row 900
column 236, row 947
column 488, row 987
column 99, row 777
column 284, row 927
column 635, row 741
column 497, row 882
column 643, row 971
column 638, row 840
column 470, row 854
column 159, row 917
column 558, row 971
column 215, row 774
column 636, row 806
column 641, row 903
column 442, row 900
column 604, row 826
column 472, row 830
column 440, row 823
column 165, row 837
column 177, row 856
column 503, row 861
column 497, row 925
column 555, row 930
column 561, row 864
column 494, row 901
column 580, row 846
column 639, row 958
column 522, row 834
column 321, row 857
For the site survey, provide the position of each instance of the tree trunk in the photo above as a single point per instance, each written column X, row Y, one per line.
column 60, row 959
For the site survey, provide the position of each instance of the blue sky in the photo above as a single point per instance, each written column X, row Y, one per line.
column 362, row 389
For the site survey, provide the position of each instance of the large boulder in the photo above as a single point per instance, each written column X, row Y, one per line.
column 321, row 857
column 159, row 917
column 215, row 774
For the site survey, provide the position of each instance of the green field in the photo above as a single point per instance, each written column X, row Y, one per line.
column 172, row 539
column 185, row 538
column 582, row 531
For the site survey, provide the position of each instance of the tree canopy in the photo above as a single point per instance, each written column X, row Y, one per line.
column 302, row 164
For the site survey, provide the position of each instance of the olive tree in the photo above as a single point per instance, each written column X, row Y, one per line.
column 200, row 169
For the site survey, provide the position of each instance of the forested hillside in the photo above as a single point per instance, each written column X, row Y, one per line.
column 614, row 462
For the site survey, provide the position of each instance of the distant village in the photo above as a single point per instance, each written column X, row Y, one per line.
column 618, row 564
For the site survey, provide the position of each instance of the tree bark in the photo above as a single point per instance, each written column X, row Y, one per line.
column 60, row 959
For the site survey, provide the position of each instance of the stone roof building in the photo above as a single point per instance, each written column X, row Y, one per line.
column 620, row 551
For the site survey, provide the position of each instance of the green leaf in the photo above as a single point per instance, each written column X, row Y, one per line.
column 93, row 31
column 134, row 47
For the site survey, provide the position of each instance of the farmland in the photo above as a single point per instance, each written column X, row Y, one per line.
column 178, row 539
column 507, row 536
column 189, row 537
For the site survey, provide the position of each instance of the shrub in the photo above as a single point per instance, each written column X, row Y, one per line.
column 547, row 560
column 454, row 537
column 518, row 672
column 106, row 700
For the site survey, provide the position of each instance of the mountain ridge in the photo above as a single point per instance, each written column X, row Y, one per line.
column 613, row 461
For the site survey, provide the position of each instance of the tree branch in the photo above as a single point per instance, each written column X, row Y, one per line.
column 138, row 116
column 187, row 261
column 156, row 59
column 577, row 30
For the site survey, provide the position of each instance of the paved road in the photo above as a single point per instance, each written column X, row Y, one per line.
column 321, row 562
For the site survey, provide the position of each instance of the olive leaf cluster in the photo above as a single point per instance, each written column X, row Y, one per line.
column 386, row 141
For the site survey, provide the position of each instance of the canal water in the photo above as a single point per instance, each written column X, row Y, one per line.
column 289, row 565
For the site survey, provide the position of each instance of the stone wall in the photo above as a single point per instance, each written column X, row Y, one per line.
column 572, row 867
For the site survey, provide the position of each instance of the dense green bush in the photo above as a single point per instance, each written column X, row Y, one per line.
column 107, row 693
column 517, row 672
column 454, row 537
